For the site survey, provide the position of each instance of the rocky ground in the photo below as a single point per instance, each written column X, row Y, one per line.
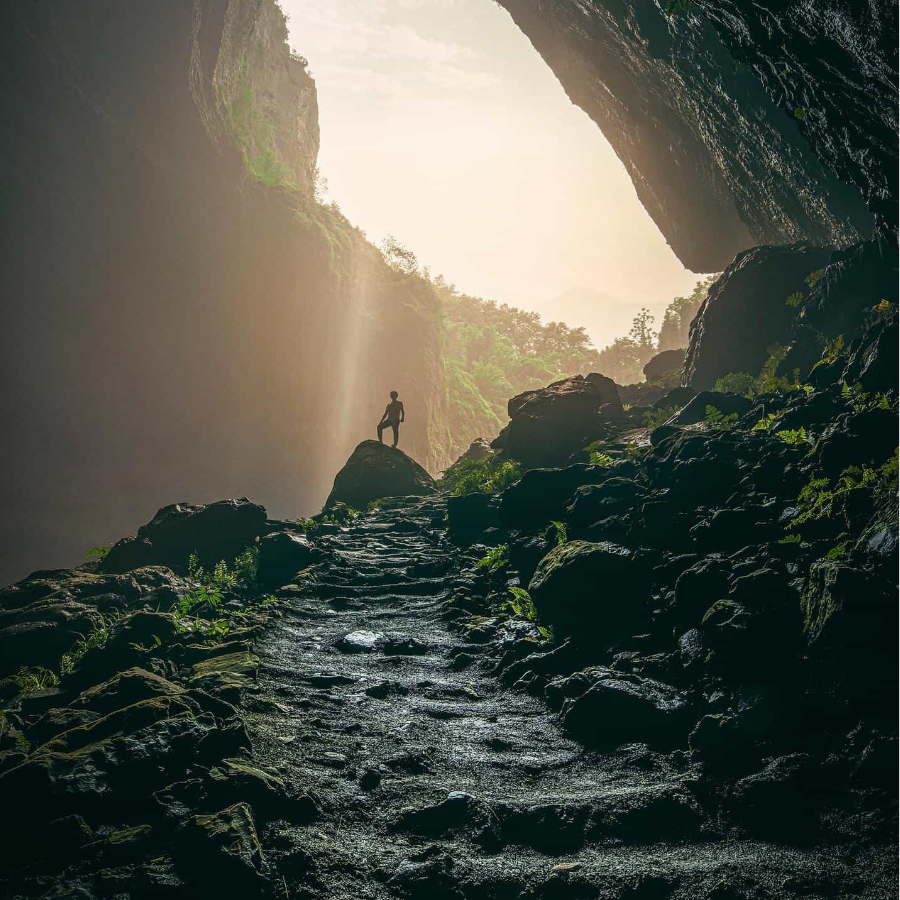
column 604, row 658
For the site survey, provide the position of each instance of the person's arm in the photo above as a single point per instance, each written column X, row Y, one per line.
column 402, row 413
column 383, row 416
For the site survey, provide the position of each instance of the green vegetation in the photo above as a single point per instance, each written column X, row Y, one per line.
column 311, row 525
column 793, row 437
column 241, row 575
column 767, row 382
column 715, row 419
column 97, row 553
column 562, row 532
column 765, row 423
column 653, row 418
column 817, row 499
column 495, row 558
column 521, row 603
column 487, row 476
column 95, row 640
column 736, row 383
column 801, row 114
column 492, row 352
column 254, row 133
column 673, row 6
column 30, row 679
column 676, row 324
column 598, row 457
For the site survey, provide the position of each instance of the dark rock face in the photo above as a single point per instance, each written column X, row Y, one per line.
column 617, row 708
column 548, row 425
column 842, row 299
column 728, row 117
column 469, row 516
column 745, row 312
column 694, row 410
column 213, row 531
column 540, row 495
column 591, row 590
column 376, row 470
column 281, row 556
column 872, row 361
column 663, row 363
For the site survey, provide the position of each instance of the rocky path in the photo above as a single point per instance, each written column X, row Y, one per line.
column 434, row 780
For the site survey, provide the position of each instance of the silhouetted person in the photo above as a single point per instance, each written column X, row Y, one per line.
column 393, row 416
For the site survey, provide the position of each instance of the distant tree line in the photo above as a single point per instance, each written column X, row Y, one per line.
column 492, row 351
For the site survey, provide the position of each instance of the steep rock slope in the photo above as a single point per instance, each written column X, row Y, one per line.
column 180, row 318
column 733, row 118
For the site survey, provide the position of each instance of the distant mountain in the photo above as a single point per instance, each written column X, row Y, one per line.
column 604, row 318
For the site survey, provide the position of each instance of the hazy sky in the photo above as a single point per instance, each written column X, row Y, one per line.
column 442, row 126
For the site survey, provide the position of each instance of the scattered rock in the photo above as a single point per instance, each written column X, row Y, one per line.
column 361, row 642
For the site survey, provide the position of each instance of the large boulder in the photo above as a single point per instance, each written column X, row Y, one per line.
column 850, row 623
column 664, row 362
column 550, row 424
column 213, row 531
column 745, row 312
column 376, row 470
column 540, row 495
column 592, row 591
column 621, row 708
column 281, row 556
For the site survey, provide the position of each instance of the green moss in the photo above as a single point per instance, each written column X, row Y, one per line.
column 254, row 133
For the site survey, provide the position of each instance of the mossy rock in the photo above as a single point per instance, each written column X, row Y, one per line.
column 592, row 591
column 227, row 674
column 221, row 849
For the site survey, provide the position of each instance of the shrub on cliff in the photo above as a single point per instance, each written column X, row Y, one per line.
column 487, row 476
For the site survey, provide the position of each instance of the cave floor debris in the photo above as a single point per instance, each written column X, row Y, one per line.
column 438, row 781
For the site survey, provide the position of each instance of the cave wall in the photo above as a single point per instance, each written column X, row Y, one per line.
column 740, row 123
column 172, row 327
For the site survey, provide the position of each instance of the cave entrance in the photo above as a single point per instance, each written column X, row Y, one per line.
column 443, row 126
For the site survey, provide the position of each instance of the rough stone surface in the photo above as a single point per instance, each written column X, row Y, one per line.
column 745, row 313
column 663, row 363
column 728, row 116
column 548, row 425
column 214, row 531
column 375, row 470
column 281, row 555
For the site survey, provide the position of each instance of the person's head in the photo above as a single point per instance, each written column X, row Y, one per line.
column 394, row 395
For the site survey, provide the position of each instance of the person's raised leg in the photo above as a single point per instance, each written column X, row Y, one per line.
column 380, row 432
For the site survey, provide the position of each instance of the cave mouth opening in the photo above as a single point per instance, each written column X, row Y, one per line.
column 442, row 125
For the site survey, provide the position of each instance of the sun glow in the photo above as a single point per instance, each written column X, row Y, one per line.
column 442, row 125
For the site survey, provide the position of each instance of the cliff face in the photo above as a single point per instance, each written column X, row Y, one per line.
column 740, row 123
column 180, row 318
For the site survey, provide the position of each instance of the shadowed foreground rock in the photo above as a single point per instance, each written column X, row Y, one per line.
column 375, row 470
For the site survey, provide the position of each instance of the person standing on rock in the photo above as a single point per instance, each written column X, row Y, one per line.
column 393, row 416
